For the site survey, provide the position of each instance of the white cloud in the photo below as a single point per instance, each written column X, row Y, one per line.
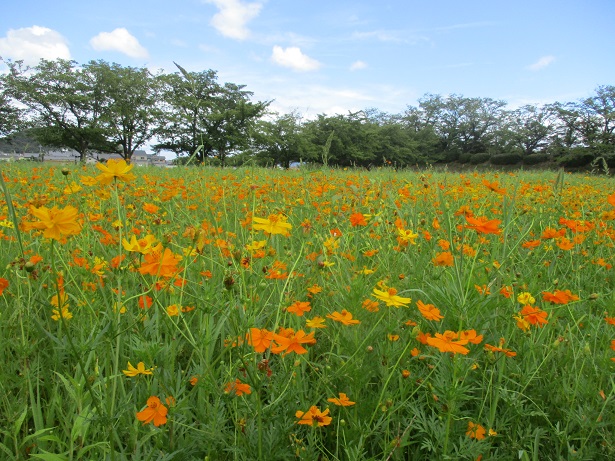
column 293, row 58
column 311, row 100
column 541, row 63
column 119, row 40
column 31, row 44
column 233, row 16
column 178, row 42
column 358, row 65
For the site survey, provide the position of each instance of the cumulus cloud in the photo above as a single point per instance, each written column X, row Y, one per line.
column 358, row 65
column 541, row 63
column 119, row 40
column 233, row 17
column 293, row 58
column 31, row 44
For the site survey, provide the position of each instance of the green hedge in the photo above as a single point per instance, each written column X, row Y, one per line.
column 506, row 159
column 535, row 159
column 481, row 157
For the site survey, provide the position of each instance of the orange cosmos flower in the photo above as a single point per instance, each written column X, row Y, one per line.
column 370, row 305
column 475, row 431
column 531, row 244
column 506, row 352
column 443, row 259
column 55, row 223
column 357, row 219
column 343, row 317
column 259, row 339
column 313, row 290
column 293, row 342
column 155, row 411
column 4, row 284
column 423, row 337
column 611, row 199
column 299, row 308
column 449, row 342
column 494, row 186
column 559, row 297
column 390, row 297
column 238, row 388
column 159, row 263
column 534, row 315
column 341, row 401
column 117, row 170
column 564, row 244
column 150, row 208
column 274, row 224
column 550, row 233
column 470, row 336
column 314, row 417
column 506, row 291
column 576, row 226
column 484, row 226
column 429, row 311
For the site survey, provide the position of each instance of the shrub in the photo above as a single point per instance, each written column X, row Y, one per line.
column 534, row 159
column 506, row 159
column 574, row 160
column 481, row 157
column 465, row 157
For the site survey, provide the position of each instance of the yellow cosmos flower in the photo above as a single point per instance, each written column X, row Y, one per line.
column 390, row 298
column 316, row 322
column 115, row 170
column 407, row 235
column 143, row 246
column 274, row 224
column 72, row 188
column 525, row 298
column 55, row 223
column 63, row 313
column 139, row 370
column 256, row 245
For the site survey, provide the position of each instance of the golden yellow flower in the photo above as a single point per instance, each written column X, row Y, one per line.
column 525, row 298
column 139, row 370
column 274, row 224
column 55, row 223
column 115, row 170
column 390, row 297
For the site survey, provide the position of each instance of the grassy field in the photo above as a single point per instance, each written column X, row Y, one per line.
column 319, row 315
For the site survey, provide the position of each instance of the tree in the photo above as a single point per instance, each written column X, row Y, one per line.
column 203, row 118
column 464, row 125
column 280, row 141
column 10, row 115
column 231, row 123
column 529, row 129
column 66, row 104
column 130, row 98
column 346, row 139
column 600, row 110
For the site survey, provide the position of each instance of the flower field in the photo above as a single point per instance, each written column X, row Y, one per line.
column 196, row 313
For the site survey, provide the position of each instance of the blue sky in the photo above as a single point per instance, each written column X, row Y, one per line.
column 337, row 56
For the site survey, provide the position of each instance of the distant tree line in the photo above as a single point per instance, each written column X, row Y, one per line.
column 103, row 107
